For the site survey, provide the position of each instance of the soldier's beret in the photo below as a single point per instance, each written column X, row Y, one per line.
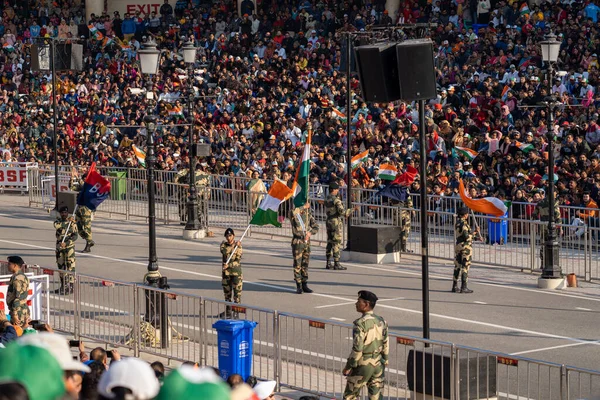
column 16, row 260
column 333, row 186
column 368, row 296
column 462, row 211
column 229, row 231
column 63, row 209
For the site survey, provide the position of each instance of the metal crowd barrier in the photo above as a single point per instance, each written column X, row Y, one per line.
column 296, row 351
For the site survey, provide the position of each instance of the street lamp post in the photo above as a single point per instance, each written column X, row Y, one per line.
column 189, row 57
column 551, row 268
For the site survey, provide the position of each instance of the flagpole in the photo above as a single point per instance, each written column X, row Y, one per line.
column 348, row 137
column 476, row 224
column 69, row 225
column 236, row 246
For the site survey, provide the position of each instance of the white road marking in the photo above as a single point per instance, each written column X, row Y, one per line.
column 289, row 289
column 583, row 309
column 337, row 319
column 336, row 305
column 550, row 348
column 480, row 302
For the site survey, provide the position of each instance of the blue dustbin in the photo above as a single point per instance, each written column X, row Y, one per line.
column 235, row 347
column 498, row 230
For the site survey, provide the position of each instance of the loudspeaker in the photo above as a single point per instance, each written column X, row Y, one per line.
column 201, row 150
column 416, row 69
column 67, row 57
column 378, row 72
column 68, row 199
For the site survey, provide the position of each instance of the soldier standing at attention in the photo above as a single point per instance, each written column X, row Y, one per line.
column 370, row 350
column 463, row 251
column 336, row 212
column 303, row 227
column 65, row 250
column 18, row 288
column 542, row 213
column 83, row 215
column 232, row 279
column 202, row 192
column 405, row 211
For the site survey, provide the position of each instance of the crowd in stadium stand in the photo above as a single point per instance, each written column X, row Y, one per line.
column 267, row 78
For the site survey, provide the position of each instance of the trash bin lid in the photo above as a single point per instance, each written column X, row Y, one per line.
column 230, row 325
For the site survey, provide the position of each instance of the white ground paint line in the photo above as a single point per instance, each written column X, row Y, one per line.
column 336, row 305
column 399, row 272
column 583, row 309
column 551, row 348
column 480, row 302
column 90, row 305
column 288, row 289
column 337, row 319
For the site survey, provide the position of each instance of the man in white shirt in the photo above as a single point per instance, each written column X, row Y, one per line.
column 293, row 133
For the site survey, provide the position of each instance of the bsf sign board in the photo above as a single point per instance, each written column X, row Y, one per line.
column 145, row 7
column 14, row 176
column 34, row 298
column 49, row 187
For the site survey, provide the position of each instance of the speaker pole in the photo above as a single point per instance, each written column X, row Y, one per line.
column 348, row 137
column 54, row 122
column 423, row 210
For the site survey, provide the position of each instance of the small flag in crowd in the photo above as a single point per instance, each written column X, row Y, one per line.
column 505, row 92
column 524, row 147
column 268, row 209
column 387, row 172
column 95, row 33
column 106, row 41
column 96, row 189
column 470, row 154
column 524, row 9
column 337, row 113
column 8, row 47
column 360, row 157
column 407, row 177
column 300, row 186
column 176, row 111
column 486, row 205
column 139, row 154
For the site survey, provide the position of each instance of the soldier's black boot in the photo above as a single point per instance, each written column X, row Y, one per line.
column 305, row 288
column 455, row 288
column 328, row 264
column 404, row 249
column 338, row 266
column 464, row 288
column 298, row 288
column 61, row 289
column 88, row 247
column 226, row 314
column 68, row 289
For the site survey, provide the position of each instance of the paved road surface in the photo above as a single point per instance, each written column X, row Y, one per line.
column 507, row 313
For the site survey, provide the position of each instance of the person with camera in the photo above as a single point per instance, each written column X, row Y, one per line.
column 18, row 288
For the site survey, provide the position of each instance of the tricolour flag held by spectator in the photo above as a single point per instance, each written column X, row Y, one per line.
column 387, row 172
column 487, row 205
column 139, row 154
column 268, row 209
column 524, row 9
column 524, row 147
column 505, row 91
column 300, row 186
column 96, row 189
column 8, row 47
column 470, row 154
column 360, row 157
column 337, row 113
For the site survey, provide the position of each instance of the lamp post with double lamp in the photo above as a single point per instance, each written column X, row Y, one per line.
column 551, row 267
column 192, row 225
column 149, row 64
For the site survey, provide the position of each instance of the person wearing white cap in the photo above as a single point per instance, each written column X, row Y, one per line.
column 265, row 390
column 59, row 348
column 130, row 378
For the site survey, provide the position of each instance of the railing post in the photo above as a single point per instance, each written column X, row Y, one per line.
column 564, row 383
column 532, row 227
column 165, row 198
column 136, row 321
column 203, row 334
column 77, row 306
column 277, row 346
column 588, row 256
column 127, row 197
column 454, row 374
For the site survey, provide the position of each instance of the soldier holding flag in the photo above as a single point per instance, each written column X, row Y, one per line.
column 66, row 235
column 83, row 214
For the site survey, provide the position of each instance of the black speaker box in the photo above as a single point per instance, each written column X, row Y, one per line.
column 201, row 150
column 428, row 372
column 416, row 69
column 67, row 57
column 68, row 199
column 378, row 72
column 375, row 238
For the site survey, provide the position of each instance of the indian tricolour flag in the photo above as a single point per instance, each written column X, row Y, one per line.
column 524, row 8
column 300, row 186
column 524, row 147
column 8, row 47
column 387, row 172
column 139, row 154
column 337, row 113
column 486, row 205
column 360, row 157
column 268, row 209
column 470, row 154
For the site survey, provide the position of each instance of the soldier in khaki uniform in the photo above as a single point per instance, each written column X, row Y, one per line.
column 370, row 351
column 232, row 279
column 202, row 191
column 83, row 215
column 303, row 227
column 402, row 216
column 463, row 250
column 65, row 250
column 336, row 213
column 18, row 289
column 542, row 213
